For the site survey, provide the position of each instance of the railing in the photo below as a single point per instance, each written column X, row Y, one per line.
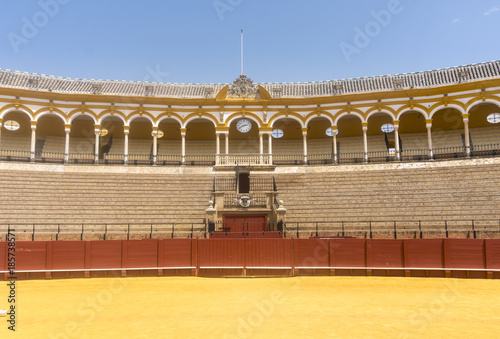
column 225, row 184
column 489, row 228
column 106, row 231
column 261, row 184
column 242, row 159
column 395, row 228
column 351, row 158
column 257, row 159
column 288, row 159
column 256, row 201
column 449, row 152
column 485, row 150
column 81, row 158
column 200, row 160
column 8, row 155
column 415, row 155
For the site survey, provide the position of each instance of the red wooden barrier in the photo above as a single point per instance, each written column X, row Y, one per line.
column 63, row 255
column 312, row 253
column 424, row 253
column 31, row 255
column 348, row 253
column 464, row 253
column 221, row 253
column 268, row 253
column 103, row 254
column 176, row 253
column 413, row 257
column 386, row 253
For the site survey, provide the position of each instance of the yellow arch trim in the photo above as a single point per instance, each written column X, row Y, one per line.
column 165, row 114
column 27, row 109
column 137, row 114
column 471, row 103
column 442, row 104
column 203, row 115
column 322, row 114
column 79, row 110
column 47, row 109
column 285, row 114
column 338, row 114
column 240, row 114
column 115, row 112
column 409, row 108
column 380, row 109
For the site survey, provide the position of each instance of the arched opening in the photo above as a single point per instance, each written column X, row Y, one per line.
column 484, row 127
column 200, row 142
column 140, row 142
column 244, row 137
column 381, row 137
column 448, row 138
column 350, row 139
column 112, row 139
column 169, row 145
column 413, row 136
column 82, row 139
column 319, row 144
column 287, row 148
column 50, row 138
column 15, row 136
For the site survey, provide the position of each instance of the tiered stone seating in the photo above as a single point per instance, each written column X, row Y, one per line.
column 71, row 199
column 485, row 135
column 432, row 194
column 15, row 142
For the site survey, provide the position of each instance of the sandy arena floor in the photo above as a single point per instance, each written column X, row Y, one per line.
column 310, row 307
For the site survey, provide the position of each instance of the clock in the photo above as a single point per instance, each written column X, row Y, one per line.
column 244, row 125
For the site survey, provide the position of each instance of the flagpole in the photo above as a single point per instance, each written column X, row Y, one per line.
column 241, row 51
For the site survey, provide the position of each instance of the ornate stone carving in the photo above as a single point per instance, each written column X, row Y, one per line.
column 243, row 87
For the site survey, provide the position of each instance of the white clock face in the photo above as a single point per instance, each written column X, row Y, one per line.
column 244, row 126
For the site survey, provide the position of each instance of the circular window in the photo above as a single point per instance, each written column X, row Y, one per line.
column 277, row 133
column 493, row 118
column 329, row 132
column 387, row 128
column 11, row 125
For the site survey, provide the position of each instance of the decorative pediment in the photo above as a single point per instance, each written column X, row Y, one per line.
column 243, row 88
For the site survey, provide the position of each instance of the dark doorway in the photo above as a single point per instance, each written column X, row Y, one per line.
column 245, row 223
column 244, row 183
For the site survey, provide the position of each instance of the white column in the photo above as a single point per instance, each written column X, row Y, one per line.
column 33, row 141
column 217, row 148
column 227, row 142
column 155, row 145
column 97, row 137
column 125, row 147
column 429, row 138
column 261, row 148
column 67, row 129
column 304, row 142
column 365, row 141
column 270, row 148
column 335, row 155
column 466, row 132
column 183, row 145
column 396, row 140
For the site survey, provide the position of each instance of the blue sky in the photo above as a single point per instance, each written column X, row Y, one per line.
column 198, row 41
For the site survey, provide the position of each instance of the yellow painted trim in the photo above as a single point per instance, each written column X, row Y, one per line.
column 278, row 116
column 244, row 114
column 17, row 107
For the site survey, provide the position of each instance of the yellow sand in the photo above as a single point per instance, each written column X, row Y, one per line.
column 312, row 307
